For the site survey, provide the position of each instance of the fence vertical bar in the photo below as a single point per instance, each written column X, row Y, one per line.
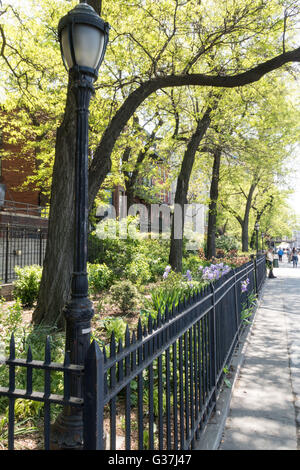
column 213, row 347
column 127, row 399
column 113, row 403
column 149, row 353
column 175, row 402
column 191, row 366
column 160, row 390
column 140, row 389
column 6, row 253
column 186, row 385
column 93, row 391
column 196, row 377
column 47, row 391
column 40, row 246
column 181, row 399
column 12, row 384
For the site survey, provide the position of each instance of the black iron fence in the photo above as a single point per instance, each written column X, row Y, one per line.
column 20, row 246
column 158, row 388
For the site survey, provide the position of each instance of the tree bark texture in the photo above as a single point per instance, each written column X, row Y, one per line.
column 259, row 214
column 245, row 223
column 212, row 208
column 176, row 246
column 58, row 264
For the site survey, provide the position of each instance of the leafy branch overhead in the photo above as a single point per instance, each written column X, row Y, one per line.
column 164, row 63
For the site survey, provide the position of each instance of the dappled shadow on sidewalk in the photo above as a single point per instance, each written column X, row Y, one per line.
column 262, row 411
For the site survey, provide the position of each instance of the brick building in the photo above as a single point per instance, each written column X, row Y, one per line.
column 20, row 206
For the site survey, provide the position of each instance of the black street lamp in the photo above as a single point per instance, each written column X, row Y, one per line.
column 257, row 229
column 83, row 37
column 262, row 241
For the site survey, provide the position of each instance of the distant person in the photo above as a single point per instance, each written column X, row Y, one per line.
column 280, row 254
column 294, row 257
column 270, row 259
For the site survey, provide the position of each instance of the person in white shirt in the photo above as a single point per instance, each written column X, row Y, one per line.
column 270, row 259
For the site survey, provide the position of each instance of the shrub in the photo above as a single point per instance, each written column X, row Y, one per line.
column 125, row 294
column 100, row 277
column 227, row 243
column 26, row 287
column 191, row 263
column 138, row 271
column 115, row 325
column 13, row 315
column 138, row 259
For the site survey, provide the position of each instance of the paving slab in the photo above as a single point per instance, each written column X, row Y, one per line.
column 264, row 409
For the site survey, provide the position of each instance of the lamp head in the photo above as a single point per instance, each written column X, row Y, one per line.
column 83, row 38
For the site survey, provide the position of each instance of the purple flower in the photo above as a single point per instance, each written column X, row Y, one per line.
column 188, row 275
column 244, row 285
column 166, row 273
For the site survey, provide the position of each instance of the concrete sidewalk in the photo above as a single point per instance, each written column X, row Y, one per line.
column 264, row 411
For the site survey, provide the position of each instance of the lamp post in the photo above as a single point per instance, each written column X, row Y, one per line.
column 83, row 37
column 262, row 241
column 256, row 226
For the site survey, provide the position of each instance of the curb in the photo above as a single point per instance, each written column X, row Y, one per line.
column 213, row 431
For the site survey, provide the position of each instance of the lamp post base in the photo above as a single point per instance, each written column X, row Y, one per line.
column 67, row 431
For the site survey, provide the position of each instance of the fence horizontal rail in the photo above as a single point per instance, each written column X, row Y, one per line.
column 203, row 331
column 158, row 387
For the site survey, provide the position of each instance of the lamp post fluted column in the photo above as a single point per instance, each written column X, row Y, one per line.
column 78, row 312
column 67, row 432
column 83, row 38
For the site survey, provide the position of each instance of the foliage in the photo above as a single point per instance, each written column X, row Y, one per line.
column 138, row 270
column 26, row 286
column 125, row 295
column 168, row 44
column 100, row 277
column 127, row 252
column 248, row 307
column 174, row 289
column 232, row 259
column 27, row 412
column 227, row 243
column 115, row 325
column 13, row 315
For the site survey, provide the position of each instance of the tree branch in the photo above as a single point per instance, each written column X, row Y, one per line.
column 101, row 163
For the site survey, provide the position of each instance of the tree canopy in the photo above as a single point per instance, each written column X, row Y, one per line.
column 163, row 57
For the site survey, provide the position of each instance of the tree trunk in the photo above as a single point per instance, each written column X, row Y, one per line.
column 259, row 215
column 58, row 264
column 176, row 247
column 245, row 224
column 212, row 208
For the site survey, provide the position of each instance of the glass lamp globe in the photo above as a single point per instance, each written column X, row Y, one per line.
column 83, row 37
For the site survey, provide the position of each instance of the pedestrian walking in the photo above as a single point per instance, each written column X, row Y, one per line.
column 280, row 254
column 269, row 260
column 294, row 257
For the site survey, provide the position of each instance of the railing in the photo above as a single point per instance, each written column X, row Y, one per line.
column 20, row 246
column 172, row 369
column 25, row 208
column 158, row 388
